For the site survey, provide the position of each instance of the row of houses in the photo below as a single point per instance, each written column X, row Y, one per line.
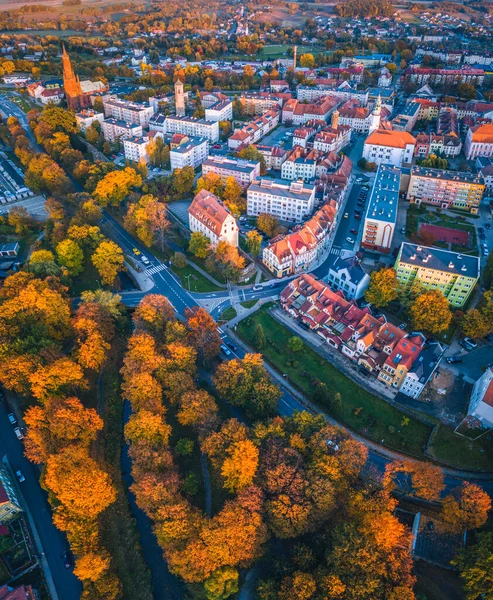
column 401, row 360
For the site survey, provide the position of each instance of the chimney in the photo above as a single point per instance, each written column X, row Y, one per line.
column 335, row 119
column 295, row 51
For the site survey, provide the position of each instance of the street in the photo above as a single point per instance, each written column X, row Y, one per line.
column 54, row 543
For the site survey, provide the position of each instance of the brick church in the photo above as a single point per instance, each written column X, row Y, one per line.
column 78, row 93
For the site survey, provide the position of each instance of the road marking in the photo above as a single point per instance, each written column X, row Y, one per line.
column 153, row 270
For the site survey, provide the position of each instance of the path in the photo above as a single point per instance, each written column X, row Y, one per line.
column 207, row 484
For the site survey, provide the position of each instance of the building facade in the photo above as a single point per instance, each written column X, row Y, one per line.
column 481, row 402
column 386, row 147
column 191, row 153
column 288, row 201
column 454, row 275
column 208, row 215
column 10, row 506
column 243, row 171
column 192, row 127
column 114, row 130
column 130, row 112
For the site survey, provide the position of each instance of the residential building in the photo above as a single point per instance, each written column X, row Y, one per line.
column 161, row 101
column 332, row 139
column 481, row 402
column 402, row 358
column 274, row 156
column 421, row 75
column 300, row 164
column 9, row 249
column 137, row 148
column 255, row 130
column 51, row 96
column 331, row 87
column 407, row 119
column 189, row 154
column 298, row 113
column 479, row 141
column 446, row 189
column 302, row 135
column 453, row 274
column 347, row 275
column 115, row 130
column 130, row 112
column 381, row 214
column 298, row 251
column 87, row 117
column 22, row 592
column 9, row 503
column 394, row 148
column 485, row 169
column 448, row 145
column 257, row 103
column 218, row 107
column 192, row 127
column 422, row 370
column 208, row 215
column 243, row 171
column 288, row 201
column 278, row 85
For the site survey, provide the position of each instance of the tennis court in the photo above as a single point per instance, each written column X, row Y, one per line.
column 446, row 234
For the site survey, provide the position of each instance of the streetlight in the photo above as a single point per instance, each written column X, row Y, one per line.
column 187, row 277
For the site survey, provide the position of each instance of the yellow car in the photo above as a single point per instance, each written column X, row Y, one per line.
column 136, row 252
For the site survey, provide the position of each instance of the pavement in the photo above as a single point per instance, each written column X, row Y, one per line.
column 68, row 587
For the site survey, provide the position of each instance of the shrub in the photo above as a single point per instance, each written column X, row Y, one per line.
column 184, row 447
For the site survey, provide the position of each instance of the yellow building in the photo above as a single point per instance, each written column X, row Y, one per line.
column 455, row 275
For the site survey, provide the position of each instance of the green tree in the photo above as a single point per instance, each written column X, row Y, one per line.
column 251, row 153
column 70, row 256
column 199, row 245
column 183, row 181
column 253, row 242
column 179, row 260
column 92, row 135
column 222, row 583
column 382, row 288
column 295, row 344
column 259, row 339
column 474, row 564
column 488, row 272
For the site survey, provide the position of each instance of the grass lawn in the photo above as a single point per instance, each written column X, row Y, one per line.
column 249, row 303
column 376, row 420
column 22, row 103
column 460, row 452
column 228, row 314
column 193, row 280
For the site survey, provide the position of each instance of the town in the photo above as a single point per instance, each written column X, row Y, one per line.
column 246, row 300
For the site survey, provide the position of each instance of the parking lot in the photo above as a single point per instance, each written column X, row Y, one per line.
column 280, row 137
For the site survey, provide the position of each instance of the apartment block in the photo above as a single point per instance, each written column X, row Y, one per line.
column 243, row 171
column 455, row 275
column 130, row 112
column 258, row 103
column 9, row 503
column 189, row 154
column 446, row 189
column 255, row 130
column 193, row 127
column 137, row 148
column 87, row 117
column 114, row 130
column 288, row 201
column 381, row 214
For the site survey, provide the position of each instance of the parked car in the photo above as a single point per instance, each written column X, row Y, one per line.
column 303, row 324
column 357, row 217
column 20, row 476
column 231, row 346
column 453, row 360
column 403, row 230
column 480, row 230
column 257, row 288
column 225, row 350
column 471, row 342
column 67, row 559
column 12, row 419
column 349, row 240
column 353, row 231
column 18, row 433
column 217, row 146
column 403, row 326
column 346, row 215
column 488, row 225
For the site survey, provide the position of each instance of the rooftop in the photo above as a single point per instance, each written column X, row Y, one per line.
column 293, row 189
column 448, row 175
column 384, row 196
column 439, row 260
column 393, row 139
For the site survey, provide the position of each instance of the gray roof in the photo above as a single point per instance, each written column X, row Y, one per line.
column 192, row 120
column 120, row 123
column 232, row 164
column 427, row 361
column 384, row 196
column 187, row 146
column 355, row 272
column 439, row 260
column 447, row 175
column 279, row 187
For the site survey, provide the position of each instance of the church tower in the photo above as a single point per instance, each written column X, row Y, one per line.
column 375, row 115
column 335, row 119
column 71, row 83
column 179, row 99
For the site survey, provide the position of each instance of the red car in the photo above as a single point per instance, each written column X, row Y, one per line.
column 353, row 231
column 217, row 146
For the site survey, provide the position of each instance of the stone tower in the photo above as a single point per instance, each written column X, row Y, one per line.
column 335, row 119
column 179, row 99
column 295, row 52
column 375, row 115
column 71, row 83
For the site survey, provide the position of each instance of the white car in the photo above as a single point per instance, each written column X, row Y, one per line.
column 257, row 288
column 18, row 433
column 225, row 350
column 145, row 260
column 349, row 240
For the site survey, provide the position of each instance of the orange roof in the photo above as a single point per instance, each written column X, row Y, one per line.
column 483, row 133
column 393, row 139
column 488, row 395
column 207, row 209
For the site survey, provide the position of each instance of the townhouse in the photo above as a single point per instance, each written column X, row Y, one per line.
column 332, row 139
column 454, row 275
column 274, row 156
column 255, row 130
column 288, row 201
column 434, row 143
column 243, row 171
column 209, row 216
column 446, row 189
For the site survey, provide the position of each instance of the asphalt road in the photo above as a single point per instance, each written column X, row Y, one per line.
column 54, row 542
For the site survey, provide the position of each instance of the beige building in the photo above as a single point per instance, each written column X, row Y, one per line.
column 9, row 503
column 208, row 215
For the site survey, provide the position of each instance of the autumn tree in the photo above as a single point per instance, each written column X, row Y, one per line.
column 240, row 465
column 153, row 313
column 92, row 565
column 42, row 264
column 251, row 153
column 70, row 256
column 253, row 242
column 108, row 259
column 203, row 333
column 116, row 185
column 148, row 220
column 183, row 181
column 197, row 409
column 430, row 311
column 56, row 378
column 474, row 324
column 382, row 288
column 245, row 383
column 414, row 478
column 466, row 508
column 233, row 196
column 199, row 244
column 222, row 583
column 474, row 564
column 212, row 182
column 268, row 224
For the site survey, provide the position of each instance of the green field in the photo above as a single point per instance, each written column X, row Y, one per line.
column 377, row 420
column 228, row 314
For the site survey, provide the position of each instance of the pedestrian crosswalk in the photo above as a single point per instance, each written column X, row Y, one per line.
column 153, row 270
column 335, row 251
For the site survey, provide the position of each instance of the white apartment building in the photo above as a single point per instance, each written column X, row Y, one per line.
column 288, row 201
column 299, row 168
column 130, row 112
column 190, row 154
column 274, row 156
column 381, row 214
column 136, row 148
column 243, row 171
column 481, row 403
column 208, row 215
column 192, row 127
column 86, row 118
column 479, row 141
column 114, row 130
column 394, row 148
column 220, row 111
